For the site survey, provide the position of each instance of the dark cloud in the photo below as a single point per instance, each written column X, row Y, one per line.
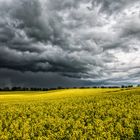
column 74, row 40
column 12, row 78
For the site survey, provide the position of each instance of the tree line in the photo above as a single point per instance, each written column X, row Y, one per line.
column 47, row 89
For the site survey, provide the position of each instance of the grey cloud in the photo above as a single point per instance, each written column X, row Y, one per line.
column 131, row 28
column 40, row 79
column 82, row 39
column 110, row 6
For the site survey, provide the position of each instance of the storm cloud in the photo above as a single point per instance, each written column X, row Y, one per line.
column 72, row 41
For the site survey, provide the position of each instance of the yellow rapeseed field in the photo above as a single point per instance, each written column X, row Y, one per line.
column 71, row 114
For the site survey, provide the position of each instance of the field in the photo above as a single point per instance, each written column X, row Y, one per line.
column 73, row 114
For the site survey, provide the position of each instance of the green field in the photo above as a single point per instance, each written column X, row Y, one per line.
column 73, row 114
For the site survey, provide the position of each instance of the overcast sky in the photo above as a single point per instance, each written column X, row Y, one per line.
column 49, row 43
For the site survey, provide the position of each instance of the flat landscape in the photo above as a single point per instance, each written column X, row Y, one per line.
column 71, row 114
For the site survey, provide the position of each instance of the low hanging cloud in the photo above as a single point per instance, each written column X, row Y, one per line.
column 77, row 40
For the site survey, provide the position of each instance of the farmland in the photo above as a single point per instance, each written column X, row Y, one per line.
column 72, row 114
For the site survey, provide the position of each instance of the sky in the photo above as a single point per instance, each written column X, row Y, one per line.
column 51, row 43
